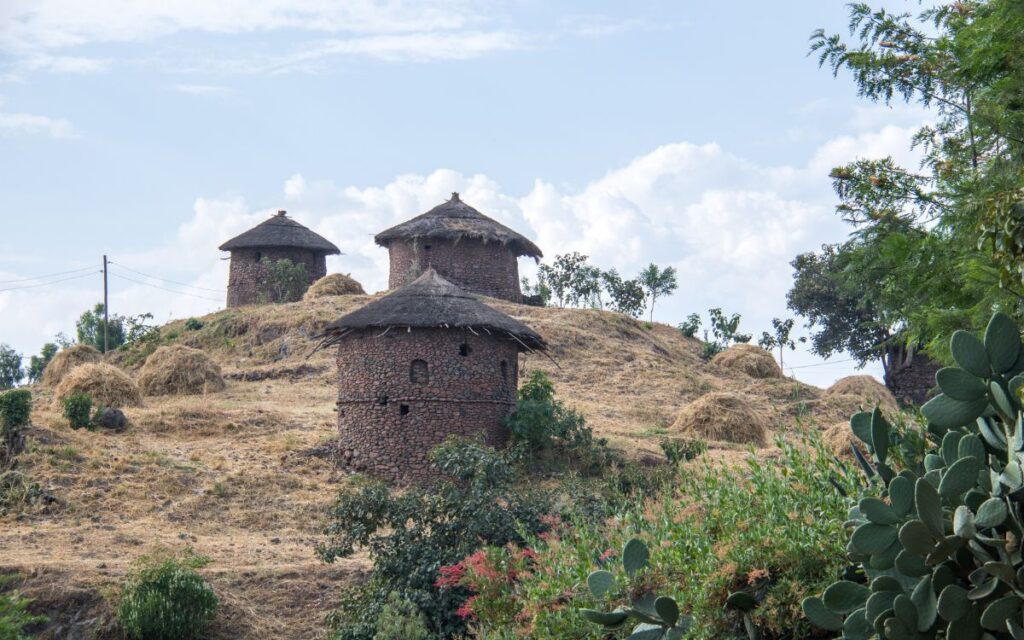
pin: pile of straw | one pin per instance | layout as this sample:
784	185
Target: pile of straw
179	370
723	417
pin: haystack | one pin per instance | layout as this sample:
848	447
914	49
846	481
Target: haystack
66	360
725	417
839	438
179	370
107	385
866	388
751	360
335	284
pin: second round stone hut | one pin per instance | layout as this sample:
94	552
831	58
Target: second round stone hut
475	252
422	363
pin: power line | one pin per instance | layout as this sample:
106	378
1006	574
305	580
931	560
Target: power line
823	364
147	284
148	275
46	284
49	275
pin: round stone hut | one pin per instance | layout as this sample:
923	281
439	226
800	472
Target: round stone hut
275	239
474	252
422	363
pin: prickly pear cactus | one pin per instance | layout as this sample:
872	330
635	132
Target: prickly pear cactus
658	617
938	552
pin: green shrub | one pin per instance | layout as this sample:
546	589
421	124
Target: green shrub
16	493
400	619
287	281
15	408
411	535
167	600
770	530
192	324
551	432
78	410
682	449
936	544
14	614
690	326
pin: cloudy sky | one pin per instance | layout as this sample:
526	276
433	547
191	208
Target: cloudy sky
691	134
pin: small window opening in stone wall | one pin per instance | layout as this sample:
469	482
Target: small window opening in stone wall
403	409
382	399
465	349
258	256
426	247
504	370
418	371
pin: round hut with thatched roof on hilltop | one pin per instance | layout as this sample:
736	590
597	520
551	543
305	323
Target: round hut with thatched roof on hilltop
279	238
422	363
474	252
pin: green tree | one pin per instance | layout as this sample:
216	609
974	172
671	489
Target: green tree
657	282
89	329
937	249
286	280
625	296
37	364
780	337
570	278
11	372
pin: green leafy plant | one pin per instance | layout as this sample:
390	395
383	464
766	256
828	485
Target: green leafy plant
626	296
287	281
657	282
78	410
779	338
682	449
15	408
690	326
547	429
937	550
167	600
193	324
410	535
401	619
14	613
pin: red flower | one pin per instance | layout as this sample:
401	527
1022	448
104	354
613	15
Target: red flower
450	576
466	610
529	553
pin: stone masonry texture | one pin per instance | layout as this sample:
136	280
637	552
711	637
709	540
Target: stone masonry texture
246	282
402	393
489	269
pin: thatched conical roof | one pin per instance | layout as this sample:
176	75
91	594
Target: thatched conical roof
453	220
430	301
280	231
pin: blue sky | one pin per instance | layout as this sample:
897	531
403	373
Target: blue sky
688	133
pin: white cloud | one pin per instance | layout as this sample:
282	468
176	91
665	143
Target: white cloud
64	64
730	227
202	89
19	124
51	24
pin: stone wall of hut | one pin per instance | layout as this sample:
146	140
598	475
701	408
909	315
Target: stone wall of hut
247	281
402	393
489	269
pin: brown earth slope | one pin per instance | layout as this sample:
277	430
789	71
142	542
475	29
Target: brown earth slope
233	474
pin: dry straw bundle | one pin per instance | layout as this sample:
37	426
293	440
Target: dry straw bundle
107	385
335	284
725	417
839	438
866	388
68	359
179	370
751	360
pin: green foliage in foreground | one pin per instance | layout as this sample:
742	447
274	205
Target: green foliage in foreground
14	614
770	530
167	600
938	548
15	408
411	535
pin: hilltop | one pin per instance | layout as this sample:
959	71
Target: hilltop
241	476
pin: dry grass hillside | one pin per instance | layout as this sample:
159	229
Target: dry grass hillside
235	475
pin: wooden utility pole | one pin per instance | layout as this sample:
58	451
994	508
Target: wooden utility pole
106	307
